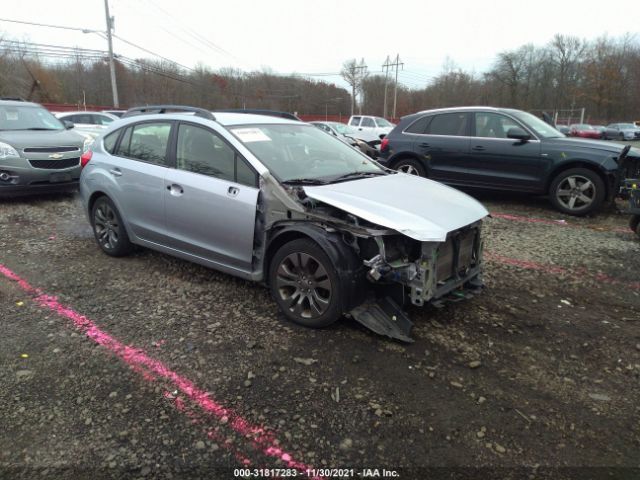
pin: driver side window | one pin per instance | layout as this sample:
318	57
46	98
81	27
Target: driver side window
493	125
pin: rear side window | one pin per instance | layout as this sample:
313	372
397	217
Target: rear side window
454	124
419	126
200	150
368	122
111	140
147	142
355	121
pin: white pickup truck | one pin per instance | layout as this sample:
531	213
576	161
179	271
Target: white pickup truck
370	129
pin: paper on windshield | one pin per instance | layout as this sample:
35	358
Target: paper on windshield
247	135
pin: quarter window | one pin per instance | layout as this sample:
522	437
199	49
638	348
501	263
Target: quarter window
419	126
454	124
110	141
201	151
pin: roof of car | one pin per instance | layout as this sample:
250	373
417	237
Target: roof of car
19	103
466	109
223	118
82	112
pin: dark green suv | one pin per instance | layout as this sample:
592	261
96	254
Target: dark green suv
507	149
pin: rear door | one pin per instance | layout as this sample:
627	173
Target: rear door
500	162
445	147
210	199
138	167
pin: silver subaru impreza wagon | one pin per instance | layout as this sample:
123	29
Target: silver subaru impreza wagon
278	201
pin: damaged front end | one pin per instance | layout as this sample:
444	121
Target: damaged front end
386	269
404	270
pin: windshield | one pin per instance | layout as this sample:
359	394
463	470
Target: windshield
343	129
383	123
583	126
27	118
627	125
295	152
539	127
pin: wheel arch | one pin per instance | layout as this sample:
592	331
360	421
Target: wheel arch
348	265
607	178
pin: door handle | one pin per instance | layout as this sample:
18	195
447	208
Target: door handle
233	191
116	172
424	145
478	148
175	190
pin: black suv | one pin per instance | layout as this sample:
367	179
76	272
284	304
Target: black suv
506	149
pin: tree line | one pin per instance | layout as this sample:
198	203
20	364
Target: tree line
602	76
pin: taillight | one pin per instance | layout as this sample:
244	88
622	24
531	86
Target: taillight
384	144
85	158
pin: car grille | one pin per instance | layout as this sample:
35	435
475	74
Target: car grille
50	149
458	254
55	164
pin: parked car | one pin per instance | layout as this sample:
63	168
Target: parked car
281	202
91	123
117	113
584	130
345	133
600	128
505	149
564	129
370	129
622	131
38	152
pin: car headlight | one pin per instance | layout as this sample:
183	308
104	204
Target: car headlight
88	141
7	150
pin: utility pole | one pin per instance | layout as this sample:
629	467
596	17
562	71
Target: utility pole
112	66
386	66
395	90
361	70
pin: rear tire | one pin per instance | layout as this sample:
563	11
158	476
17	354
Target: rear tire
305	285
577	191
108	228
410	166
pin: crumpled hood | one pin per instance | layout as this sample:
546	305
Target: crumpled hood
416	207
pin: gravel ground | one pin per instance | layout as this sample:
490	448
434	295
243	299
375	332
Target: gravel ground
537	377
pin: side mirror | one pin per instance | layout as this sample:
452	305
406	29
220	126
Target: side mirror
518	134
68	125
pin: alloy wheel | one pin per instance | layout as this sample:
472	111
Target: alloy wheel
106	226
576	192
303	285
410	169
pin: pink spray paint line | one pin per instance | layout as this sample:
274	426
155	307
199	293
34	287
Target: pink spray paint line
180	405
546	221
153	370
557	270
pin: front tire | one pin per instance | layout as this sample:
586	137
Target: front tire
410	166
305	285
108	228
577	191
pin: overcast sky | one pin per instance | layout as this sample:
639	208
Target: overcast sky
317	36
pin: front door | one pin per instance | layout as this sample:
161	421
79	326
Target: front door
211	199
501	162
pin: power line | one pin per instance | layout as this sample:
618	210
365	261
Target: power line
152	53
83	30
